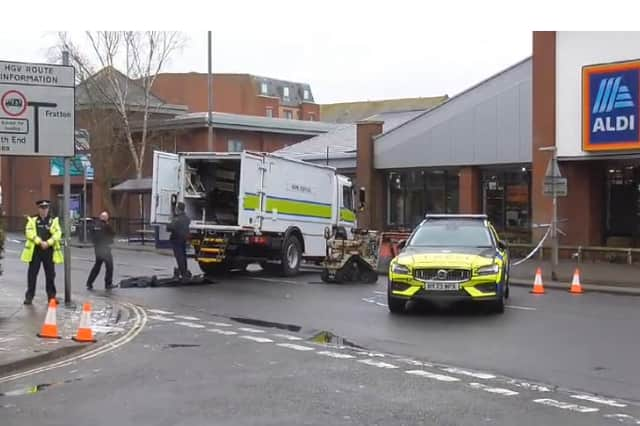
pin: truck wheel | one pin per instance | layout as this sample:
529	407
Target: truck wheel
291	256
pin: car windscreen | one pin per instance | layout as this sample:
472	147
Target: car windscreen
451	234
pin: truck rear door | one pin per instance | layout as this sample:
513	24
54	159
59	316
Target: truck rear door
165	184
251	192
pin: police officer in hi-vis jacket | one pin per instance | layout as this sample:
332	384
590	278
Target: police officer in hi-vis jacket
43	234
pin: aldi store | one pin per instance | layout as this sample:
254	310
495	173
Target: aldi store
480	151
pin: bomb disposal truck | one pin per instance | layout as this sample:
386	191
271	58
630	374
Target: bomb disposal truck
249	207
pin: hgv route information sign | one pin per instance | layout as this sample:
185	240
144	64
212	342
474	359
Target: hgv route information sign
37	109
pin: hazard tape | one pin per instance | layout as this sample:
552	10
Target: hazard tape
536	248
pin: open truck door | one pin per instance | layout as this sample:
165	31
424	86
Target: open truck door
165	186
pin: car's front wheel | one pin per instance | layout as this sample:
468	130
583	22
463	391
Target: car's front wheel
396	305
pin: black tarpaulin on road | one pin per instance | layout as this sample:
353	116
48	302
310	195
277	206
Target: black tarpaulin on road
154	281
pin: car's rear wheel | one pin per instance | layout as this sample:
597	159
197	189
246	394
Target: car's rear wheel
396	304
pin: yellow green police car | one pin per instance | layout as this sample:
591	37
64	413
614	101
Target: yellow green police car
450	258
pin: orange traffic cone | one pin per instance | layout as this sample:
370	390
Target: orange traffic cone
50	327
85	334
576	288
538	287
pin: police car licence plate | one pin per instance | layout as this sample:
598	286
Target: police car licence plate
442	286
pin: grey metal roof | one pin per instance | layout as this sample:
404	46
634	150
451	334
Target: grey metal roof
489	123
99	90
341	141
134	185
243	122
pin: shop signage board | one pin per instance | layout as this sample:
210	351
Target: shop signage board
610	107
37	109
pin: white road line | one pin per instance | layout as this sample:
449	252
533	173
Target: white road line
382	304
294	346
415	363
271	280
257	339
370	354
428	375
522	308
190	324
223	332
160	311
623	418
378	364
500	391
219	324
251	330
381	292
161	318
288	337
603	401
529	386
336	355
566	405
188	318
485	376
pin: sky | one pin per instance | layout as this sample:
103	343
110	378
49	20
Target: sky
346	50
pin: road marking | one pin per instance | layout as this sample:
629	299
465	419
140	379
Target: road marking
522	308
595	399
160	311
190	324
529	386
485	376
188	318
382	304
370	354
219	324
251	330
223	332
140	322
288	337
257	339
500	391
415	363
379	364
161	318
381	292
271	280
336	355
428	375
106	329
566	405
294	346
623	418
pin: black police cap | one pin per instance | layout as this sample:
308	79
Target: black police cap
43	203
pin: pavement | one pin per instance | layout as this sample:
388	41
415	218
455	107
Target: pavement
20	348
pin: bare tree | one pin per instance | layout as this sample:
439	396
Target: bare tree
144	55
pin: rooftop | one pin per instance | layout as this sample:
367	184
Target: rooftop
350	112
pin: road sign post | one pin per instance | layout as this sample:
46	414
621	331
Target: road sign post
554	186
37	118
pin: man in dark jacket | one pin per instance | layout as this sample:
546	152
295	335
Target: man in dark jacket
102	236
179	228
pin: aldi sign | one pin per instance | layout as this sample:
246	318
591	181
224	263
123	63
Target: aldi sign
610	109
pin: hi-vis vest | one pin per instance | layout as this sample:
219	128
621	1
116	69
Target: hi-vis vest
31	232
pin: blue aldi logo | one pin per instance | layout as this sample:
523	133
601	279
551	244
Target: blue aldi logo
610	107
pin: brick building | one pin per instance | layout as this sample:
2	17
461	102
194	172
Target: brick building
240	94
177	123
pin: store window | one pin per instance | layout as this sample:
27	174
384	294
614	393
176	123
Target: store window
507	202
623	201
413	193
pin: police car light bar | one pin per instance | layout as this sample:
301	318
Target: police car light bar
455	216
